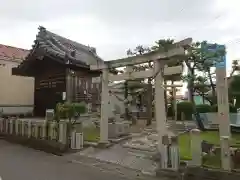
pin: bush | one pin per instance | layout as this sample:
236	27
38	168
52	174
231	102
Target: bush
186	108
69	110
232	109
203	108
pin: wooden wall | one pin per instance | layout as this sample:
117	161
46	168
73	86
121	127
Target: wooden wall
83	88
50	83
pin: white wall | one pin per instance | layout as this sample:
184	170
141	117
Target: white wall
16	92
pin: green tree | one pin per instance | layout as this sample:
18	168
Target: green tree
140	50
162	45
199	59
69	112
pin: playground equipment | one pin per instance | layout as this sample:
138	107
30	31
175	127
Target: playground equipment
160	69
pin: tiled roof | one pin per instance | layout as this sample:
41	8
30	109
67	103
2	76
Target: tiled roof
62	48
9	53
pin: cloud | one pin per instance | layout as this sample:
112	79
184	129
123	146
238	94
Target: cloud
114	26
114	12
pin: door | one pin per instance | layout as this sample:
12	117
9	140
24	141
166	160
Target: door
46	98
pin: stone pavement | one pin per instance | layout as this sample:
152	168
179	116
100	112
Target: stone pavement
124	157
137	153
21	163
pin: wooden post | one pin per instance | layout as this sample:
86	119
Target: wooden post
160	113
68	85
104	107
196	148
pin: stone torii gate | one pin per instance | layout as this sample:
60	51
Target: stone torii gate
159	59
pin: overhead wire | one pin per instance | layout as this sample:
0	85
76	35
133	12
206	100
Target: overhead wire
161	69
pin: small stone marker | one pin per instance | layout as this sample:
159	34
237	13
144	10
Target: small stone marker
225	155
196	147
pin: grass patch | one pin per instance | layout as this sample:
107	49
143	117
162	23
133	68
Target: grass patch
90	133
209	136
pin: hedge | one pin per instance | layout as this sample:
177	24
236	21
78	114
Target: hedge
186	108
232	109
203	108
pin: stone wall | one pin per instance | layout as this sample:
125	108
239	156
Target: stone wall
196	173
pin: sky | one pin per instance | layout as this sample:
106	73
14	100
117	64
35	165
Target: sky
113	26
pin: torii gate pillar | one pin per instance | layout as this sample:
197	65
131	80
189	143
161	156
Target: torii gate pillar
160	113
104	107
223	114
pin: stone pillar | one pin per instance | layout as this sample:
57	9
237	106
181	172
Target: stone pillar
29	129
164	152
44	129
223	112
225	153
104	107
36	130
23	127
73	140
111	107
1	125
16	127
174	153
52	130
222	99
196	147
6	126
79	140
175	103
160	112
11	126
63	132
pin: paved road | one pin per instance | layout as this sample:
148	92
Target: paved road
20	163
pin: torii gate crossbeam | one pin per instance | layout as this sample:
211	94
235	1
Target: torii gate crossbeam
157	57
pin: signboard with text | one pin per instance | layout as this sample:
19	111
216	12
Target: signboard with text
218	54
